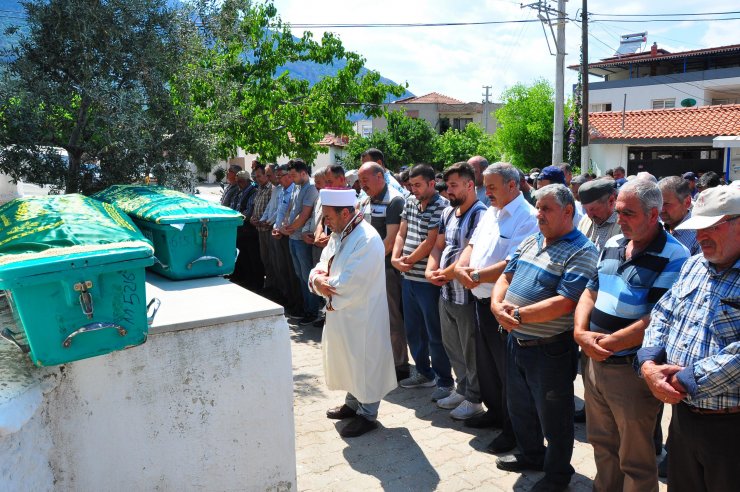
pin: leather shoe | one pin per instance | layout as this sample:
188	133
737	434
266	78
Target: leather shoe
340	413
482	421
579	417
501	444
517	463
357	427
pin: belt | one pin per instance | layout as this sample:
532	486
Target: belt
619	359
706	411
544	341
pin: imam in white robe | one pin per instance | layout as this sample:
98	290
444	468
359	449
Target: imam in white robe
356	340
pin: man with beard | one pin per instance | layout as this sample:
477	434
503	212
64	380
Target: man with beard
456	309
355	342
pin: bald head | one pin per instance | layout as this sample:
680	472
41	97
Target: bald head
479	164
372	178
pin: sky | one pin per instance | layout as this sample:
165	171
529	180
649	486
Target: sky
459	60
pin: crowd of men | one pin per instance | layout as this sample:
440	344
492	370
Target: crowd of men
500	285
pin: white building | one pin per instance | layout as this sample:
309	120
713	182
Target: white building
650	111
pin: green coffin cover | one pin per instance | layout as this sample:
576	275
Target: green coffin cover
38	232
164	206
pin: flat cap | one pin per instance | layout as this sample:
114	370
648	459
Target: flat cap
579	180
595	189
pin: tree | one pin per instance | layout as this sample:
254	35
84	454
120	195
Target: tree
244	96
455	146
94	79
525	133
406	142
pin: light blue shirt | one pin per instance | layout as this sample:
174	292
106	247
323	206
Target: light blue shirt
282	208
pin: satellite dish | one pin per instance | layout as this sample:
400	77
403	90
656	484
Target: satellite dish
688	102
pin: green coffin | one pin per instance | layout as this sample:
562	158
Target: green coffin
72	275
192	237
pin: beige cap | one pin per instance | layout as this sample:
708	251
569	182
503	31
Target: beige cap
711	206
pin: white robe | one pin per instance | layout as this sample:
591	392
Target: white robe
356	340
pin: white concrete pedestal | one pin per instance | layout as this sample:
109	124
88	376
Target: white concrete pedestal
205	404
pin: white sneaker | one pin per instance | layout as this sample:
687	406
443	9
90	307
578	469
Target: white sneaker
451	401
467	409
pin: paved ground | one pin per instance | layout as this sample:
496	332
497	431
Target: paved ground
418	446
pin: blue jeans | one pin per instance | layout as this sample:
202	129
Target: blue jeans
302	256
540	398
423	330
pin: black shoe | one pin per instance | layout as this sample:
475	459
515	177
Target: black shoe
482	421
319	323
402	372
294	314
580	416
357	427
545	485
663	467
501	444
516	463
308	320
340	413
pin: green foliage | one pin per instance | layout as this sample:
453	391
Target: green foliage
93	78
406	142
525	133
240	93
455	146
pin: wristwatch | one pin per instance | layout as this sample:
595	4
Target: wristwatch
475	276
517	316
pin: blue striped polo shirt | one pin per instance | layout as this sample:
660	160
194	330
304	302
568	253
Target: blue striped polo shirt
562	268
628	289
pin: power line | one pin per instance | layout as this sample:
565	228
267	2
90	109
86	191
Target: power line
643	21
665	15
416	24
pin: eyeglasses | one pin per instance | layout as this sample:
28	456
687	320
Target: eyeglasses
716	226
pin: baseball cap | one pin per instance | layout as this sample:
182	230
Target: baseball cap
553	174
689	175
711	205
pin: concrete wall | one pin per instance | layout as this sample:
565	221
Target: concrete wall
204	404
8	189
607	156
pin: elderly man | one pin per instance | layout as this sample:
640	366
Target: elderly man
416	237
502	228
334	178
534	301
248	270
355	341
376	156
232	189
598	198
383	209
480	164
689	356
634	271
261	200
456	309
677	209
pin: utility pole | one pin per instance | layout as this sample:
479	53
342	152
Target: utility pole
486	101
550	17
585	157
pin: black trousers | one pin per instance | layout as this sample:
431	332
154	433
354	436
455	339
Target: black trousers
248	270
704	451
490	361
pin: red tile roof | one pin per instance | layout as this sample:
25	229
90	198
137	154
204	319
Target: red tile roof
431	98
331	139
702	121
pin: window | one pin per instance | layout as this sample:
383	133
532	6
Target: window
664	103
716	102
601	107
461	123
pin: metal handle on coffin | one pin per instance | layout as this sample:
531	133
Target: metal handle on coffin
206	258
93	327
164	267
157	304
10	336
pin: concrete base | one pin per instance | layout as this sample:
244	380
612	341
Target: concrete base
205	404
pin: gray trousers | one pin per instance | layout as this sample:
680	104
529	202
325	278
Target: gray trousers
398	332
458	338
367	410
268	253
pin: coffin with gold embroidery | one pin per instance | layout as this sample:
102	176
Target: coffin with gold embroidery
192	237
72	278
